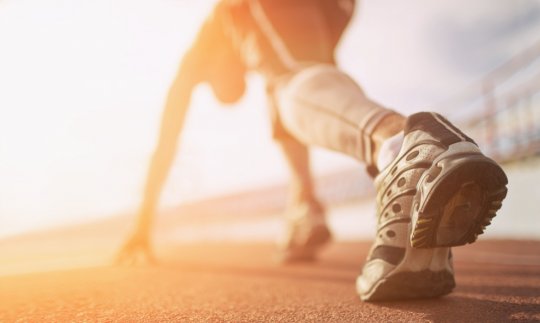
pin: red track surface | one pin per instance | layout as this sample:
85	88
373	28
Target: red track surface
497	281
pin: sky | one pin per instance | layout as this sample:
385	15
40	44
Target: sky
82	85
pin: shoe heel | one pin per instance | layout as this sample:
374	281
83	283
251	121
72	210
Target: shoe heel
461	195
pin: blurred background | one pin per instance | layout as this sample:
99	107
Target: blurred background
82	86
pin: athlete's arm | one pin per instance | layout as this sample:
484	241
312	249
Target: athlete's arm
172	121
212	60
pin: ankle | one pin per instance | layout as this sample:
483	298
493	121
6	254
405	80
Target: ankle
389	128
389	151
305	208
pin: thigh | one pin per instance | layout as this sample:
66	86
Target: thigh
324	88
320	105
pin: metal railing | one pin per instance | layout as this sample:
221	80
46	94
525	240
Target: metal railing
502	110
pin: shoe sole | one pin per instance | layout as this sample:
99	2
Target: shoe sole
457	198
318	238
412	285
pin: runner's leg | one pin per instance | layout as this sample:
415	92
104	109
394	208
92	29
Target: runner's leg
322	106
438	191
306	229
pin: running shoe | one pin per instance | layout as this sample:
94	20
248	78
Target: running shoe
440	191
306	233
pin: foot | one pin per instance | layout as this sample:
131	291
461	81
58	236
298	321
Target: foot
306	233
440	191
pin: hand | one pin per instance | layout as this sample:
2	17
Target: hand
135	250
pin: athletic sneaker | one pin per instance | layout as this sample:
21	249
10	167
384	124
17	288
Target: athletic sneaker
440	191
306	233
